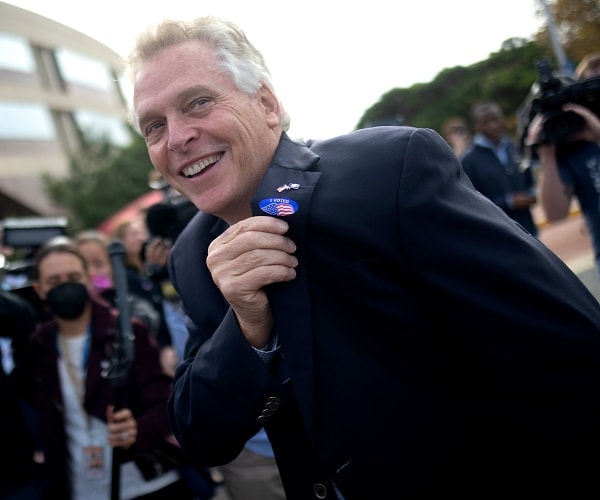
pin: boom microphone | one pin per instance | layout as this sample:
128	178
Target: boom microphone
123	352
116	252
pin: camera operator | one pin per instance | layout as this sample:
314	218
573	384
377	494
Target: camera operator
164	221
571	168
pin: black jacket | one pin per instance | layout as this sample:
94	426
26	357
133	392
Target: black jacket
429	346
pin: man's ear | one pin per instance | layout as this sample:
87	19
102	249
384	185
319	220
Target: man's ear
271	104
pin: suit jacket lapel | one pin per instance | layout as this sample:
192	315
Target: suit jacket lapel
290	301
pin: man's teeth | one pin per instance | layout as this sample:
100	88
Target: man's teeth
200	166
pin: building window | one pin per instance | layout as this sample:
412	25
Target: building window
25	122
15	54
98	126
81	70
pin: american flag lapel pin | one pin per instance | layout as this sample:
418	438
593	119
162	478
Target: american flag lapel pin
287	187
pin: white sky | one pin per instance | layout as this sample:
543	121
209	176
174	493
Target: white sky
330	59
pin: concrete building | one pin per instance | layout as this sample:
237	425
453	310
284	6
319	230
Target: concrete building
55	84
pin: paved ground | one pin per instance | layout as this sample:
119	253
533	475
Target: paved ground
570	241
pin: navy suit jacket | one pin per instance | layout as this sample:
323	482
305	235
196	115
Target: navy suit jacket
428	345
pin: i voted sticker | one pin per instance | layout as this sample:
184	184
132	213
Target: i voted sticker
280	207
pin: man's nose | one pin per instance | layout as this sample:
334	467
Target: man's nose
181	133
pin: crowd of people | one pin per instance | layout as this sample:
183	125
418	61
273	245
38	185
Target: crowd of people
292	342
65	352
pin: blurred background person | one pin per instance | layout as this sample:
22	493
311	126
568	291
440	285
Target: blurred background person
494	168
142	281
66	373
456	132
22	474
93	246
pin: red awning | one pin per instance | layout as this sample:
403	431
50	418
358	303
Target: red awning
130	210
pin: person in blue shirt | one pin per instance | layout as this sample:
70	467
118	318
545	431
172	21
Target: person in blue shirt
493	166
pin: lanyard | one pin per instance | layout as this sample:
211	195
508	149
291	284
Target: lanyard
76	378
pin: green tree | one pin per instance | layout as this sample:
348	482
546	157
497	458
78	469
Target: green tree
505	77
578	26
102	179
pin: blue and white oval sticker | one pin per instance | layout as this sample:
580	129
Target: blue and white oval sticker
280	207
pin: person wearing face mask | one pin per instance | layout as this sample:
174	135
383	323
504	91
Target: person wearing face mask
93	246
64	374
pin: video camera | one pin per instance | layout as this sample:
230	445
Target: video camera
166	219
547	96
27	234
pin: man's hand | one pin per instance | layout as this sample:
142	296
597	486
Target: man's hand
244	259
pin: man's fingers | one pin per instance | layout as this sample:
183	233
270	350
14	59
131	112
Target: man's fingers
261	224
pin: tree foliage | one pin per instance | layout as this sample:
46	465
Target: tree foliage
505	77
577	25
102	179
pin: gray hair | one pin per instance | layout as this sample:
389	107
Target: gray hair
235	54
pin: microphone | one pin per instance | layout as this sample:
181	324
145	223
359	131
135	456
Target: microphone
123	355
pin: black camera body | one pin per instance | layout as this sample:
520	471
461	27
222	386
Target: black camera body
166	219
27	234
551	92
32	232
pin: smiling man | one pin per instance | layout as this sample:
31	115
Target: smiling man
393	331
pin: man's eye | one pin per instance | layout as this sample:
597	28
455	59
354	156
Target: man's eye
200	101
153	127
152	130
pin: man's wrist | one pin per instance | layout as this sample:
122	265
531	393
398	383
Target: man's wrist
271	345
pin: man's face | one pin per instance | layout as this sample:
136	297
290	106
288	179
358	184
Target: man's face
57	268
490	123
209	140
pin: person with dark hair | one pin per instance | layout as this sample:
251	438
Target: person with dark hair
493	166
395	332
66	374
143	281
